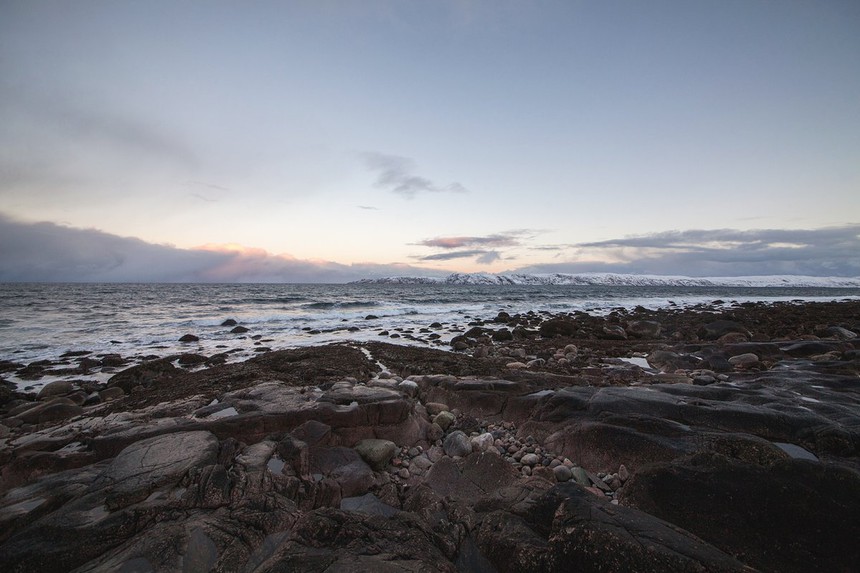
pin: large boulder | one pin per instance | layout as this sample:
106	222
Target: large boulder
569	529
789	516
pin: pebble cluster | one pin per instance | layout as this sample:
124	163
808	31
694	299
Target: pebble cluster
526	454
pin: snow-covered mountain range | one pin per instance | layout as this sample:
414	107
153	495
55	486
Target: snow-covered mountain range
612	279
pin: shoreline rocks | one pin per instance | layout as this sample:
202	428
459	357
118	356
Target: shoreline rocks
647	451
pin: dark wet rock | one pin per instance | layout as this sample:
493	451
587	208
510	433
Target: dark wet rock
239	330
612	332
56	388
798	501
719	328
807	348
146	374
569	529
558	327
229	322
502	335
192	359
371	317
669	361
278	486
644	329
112	360
189	338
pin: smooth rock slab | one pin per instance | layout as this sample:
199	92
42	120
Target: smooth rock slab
154	462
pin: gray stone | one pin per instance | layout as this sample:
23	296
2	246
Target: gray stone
581	476
434	408
377	453
444	420
742	361
530	459
56	388
112	393
482	442
457	444
562	473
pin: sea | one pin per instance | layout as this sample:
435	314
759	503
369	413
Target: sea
138	321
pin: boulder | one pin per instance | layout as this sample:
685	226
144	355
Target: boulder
719	328
775	518
558	327
56	388
644	329
189	338
457	444
377	453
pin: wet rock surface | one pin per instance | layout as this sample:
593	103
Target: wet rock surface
707	440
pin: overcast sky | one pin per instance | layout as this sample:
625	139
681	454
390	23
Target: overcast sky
325	141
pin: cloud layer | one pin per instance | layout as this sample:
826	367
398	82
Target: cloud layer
46	252
833	251
55	253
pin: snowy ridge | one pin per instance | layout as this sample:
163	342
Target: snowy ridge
613	279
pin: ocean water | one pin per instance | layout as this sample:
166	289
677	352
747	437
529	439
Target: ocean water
43	321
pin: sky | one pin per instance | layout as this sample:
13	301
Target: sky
326	141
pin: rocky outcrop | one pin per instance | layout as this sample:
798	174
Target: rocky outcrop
647	454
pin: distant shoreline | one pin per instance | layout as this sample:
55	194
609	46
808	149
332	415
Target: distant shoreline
618	279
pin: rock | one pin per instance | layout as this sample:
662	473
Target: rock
229	322
371	317
112	360
56	388
530	460
669	361
502	335
239	330
112	393
145	374
744	361
434	408
482	442
558	327
839	333
377	453
189	338
503	318
516	365
719	328
613	332
644	329
562	473
444	420
581	476
191	359
568	529
798	500
457	444
154	462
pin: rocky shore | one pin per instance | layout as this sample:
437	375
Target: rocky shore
718	438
